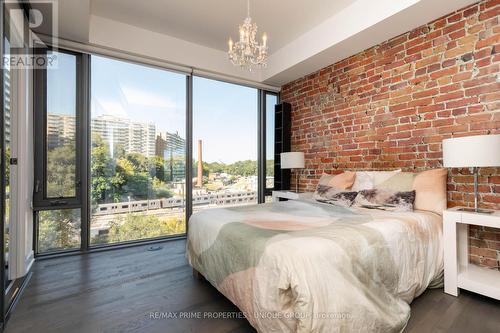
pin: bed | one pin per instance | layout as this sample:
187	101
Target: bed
307	266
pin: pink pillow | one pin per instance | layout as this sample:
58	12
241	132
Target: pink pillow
429	186
341	181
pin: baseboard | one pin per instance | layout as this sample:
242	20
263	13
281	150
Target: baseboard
21	286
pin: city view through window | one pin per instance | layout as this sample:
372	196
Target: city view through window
138	152
225	144
60	229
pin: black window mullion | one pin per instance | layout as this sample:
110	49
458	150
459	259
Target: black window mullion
267	191
40	98
80	101
261	147
85	151
189	149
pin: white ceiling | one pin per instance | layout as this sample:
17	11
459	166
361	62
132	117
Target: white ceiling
304	35
211	22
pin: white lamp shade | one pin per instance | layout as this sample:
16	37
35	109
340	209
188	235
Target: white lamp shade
293	160
472	151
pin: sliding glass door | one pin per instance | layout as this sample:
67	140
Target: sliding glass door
225	140
138	152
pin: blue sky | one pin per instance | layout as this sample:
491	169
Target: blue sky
224	115
225	119
61	86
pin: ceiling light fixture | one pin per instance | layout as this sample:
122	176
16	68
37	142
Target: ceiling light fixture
247	52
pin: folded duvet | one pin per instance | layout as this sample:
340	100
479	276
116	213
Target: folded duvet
304	266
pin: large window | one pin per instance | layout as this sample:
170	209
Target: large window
112	139
225	144
137	152
57	136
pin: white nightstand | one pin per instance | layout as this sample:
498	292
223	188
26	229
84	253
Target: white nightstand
285	195
458	272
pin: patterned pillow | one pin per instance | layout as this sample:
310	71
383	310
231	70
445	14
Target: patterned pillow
386	200
429	186
334	196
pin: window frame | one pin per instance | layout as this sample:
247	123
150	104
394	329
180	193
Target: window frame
260	138
263	112
40	199
87	206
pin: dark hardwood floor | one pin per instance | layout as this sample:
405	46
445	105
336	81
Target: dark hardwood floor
123	290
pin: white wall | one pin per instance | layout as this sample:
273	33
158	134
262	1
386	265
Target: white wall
21	255
21	184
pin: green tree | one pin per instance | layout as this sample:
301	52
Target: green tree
61	162
103	177
243	168
157	168
239	168
136	179
139	161
161	189
269	167
58	229
140	226
119	151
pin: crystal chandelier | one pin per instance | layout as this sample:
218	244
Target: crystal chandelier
247	52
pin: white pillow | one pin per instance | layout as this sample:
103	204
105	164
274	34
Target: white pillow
368	180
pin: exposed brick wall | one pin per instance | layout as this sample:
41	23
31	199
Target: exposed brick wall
392	105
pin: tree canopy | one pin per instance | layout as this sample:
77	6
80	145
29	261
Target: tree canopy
141	226
116	178
239	168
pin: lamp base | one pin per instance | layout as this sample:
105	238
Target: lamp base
473	210
476	209
297	176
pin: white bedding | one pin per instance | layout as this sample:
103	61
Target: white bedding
303	266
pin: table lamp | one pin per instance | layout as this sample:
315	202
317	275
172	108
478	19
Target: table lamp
472	151
294	161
